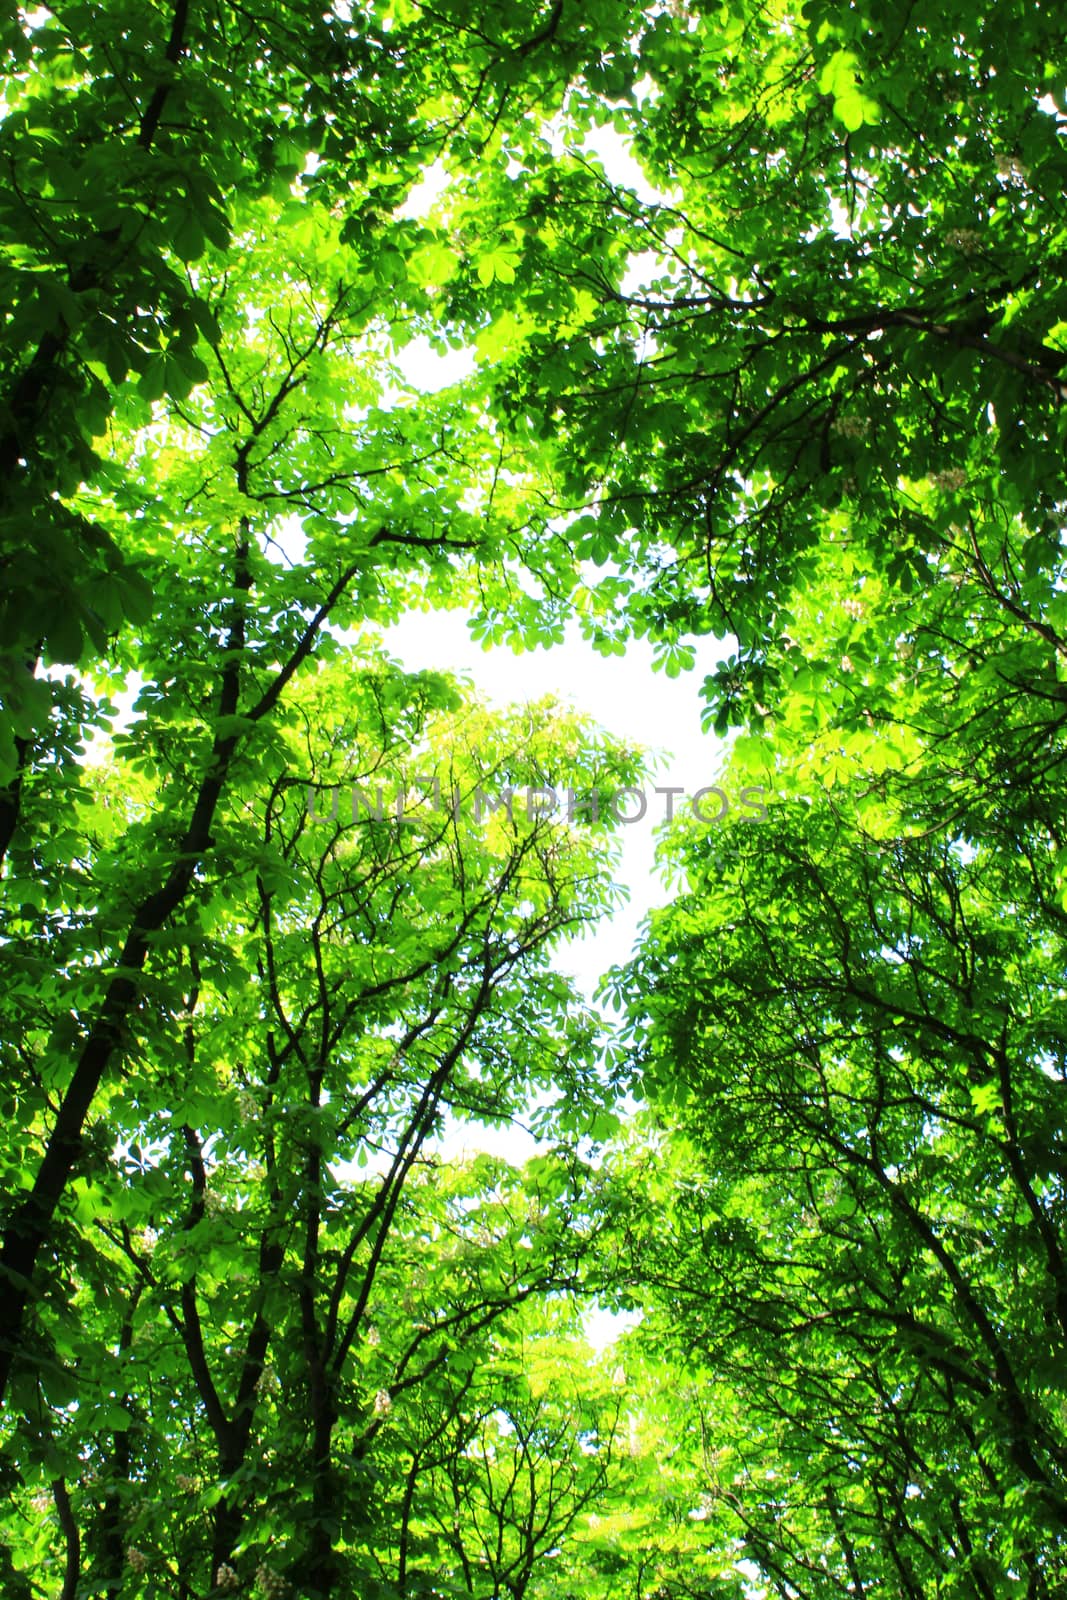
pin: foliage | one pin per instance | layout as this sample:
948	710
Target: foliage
235	1017
799	390
865	1241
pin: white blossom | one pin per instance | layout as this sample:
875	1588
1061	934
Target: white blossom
1011	169
851	427
950	481
272	1583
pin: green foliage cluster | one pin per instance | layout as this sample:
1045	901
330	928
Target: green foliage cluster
800	391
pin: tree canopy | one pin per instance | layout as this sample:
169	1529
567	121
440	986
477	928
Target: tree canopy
788	401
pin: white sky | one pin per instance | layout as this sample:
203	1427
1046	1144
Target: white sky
626	697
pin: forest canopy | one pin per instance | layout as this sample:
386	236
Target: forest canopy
790	406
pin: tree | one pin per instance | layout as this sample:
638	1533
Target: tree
500	1461
130	141
866	1242
352	977
824	358
252	496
